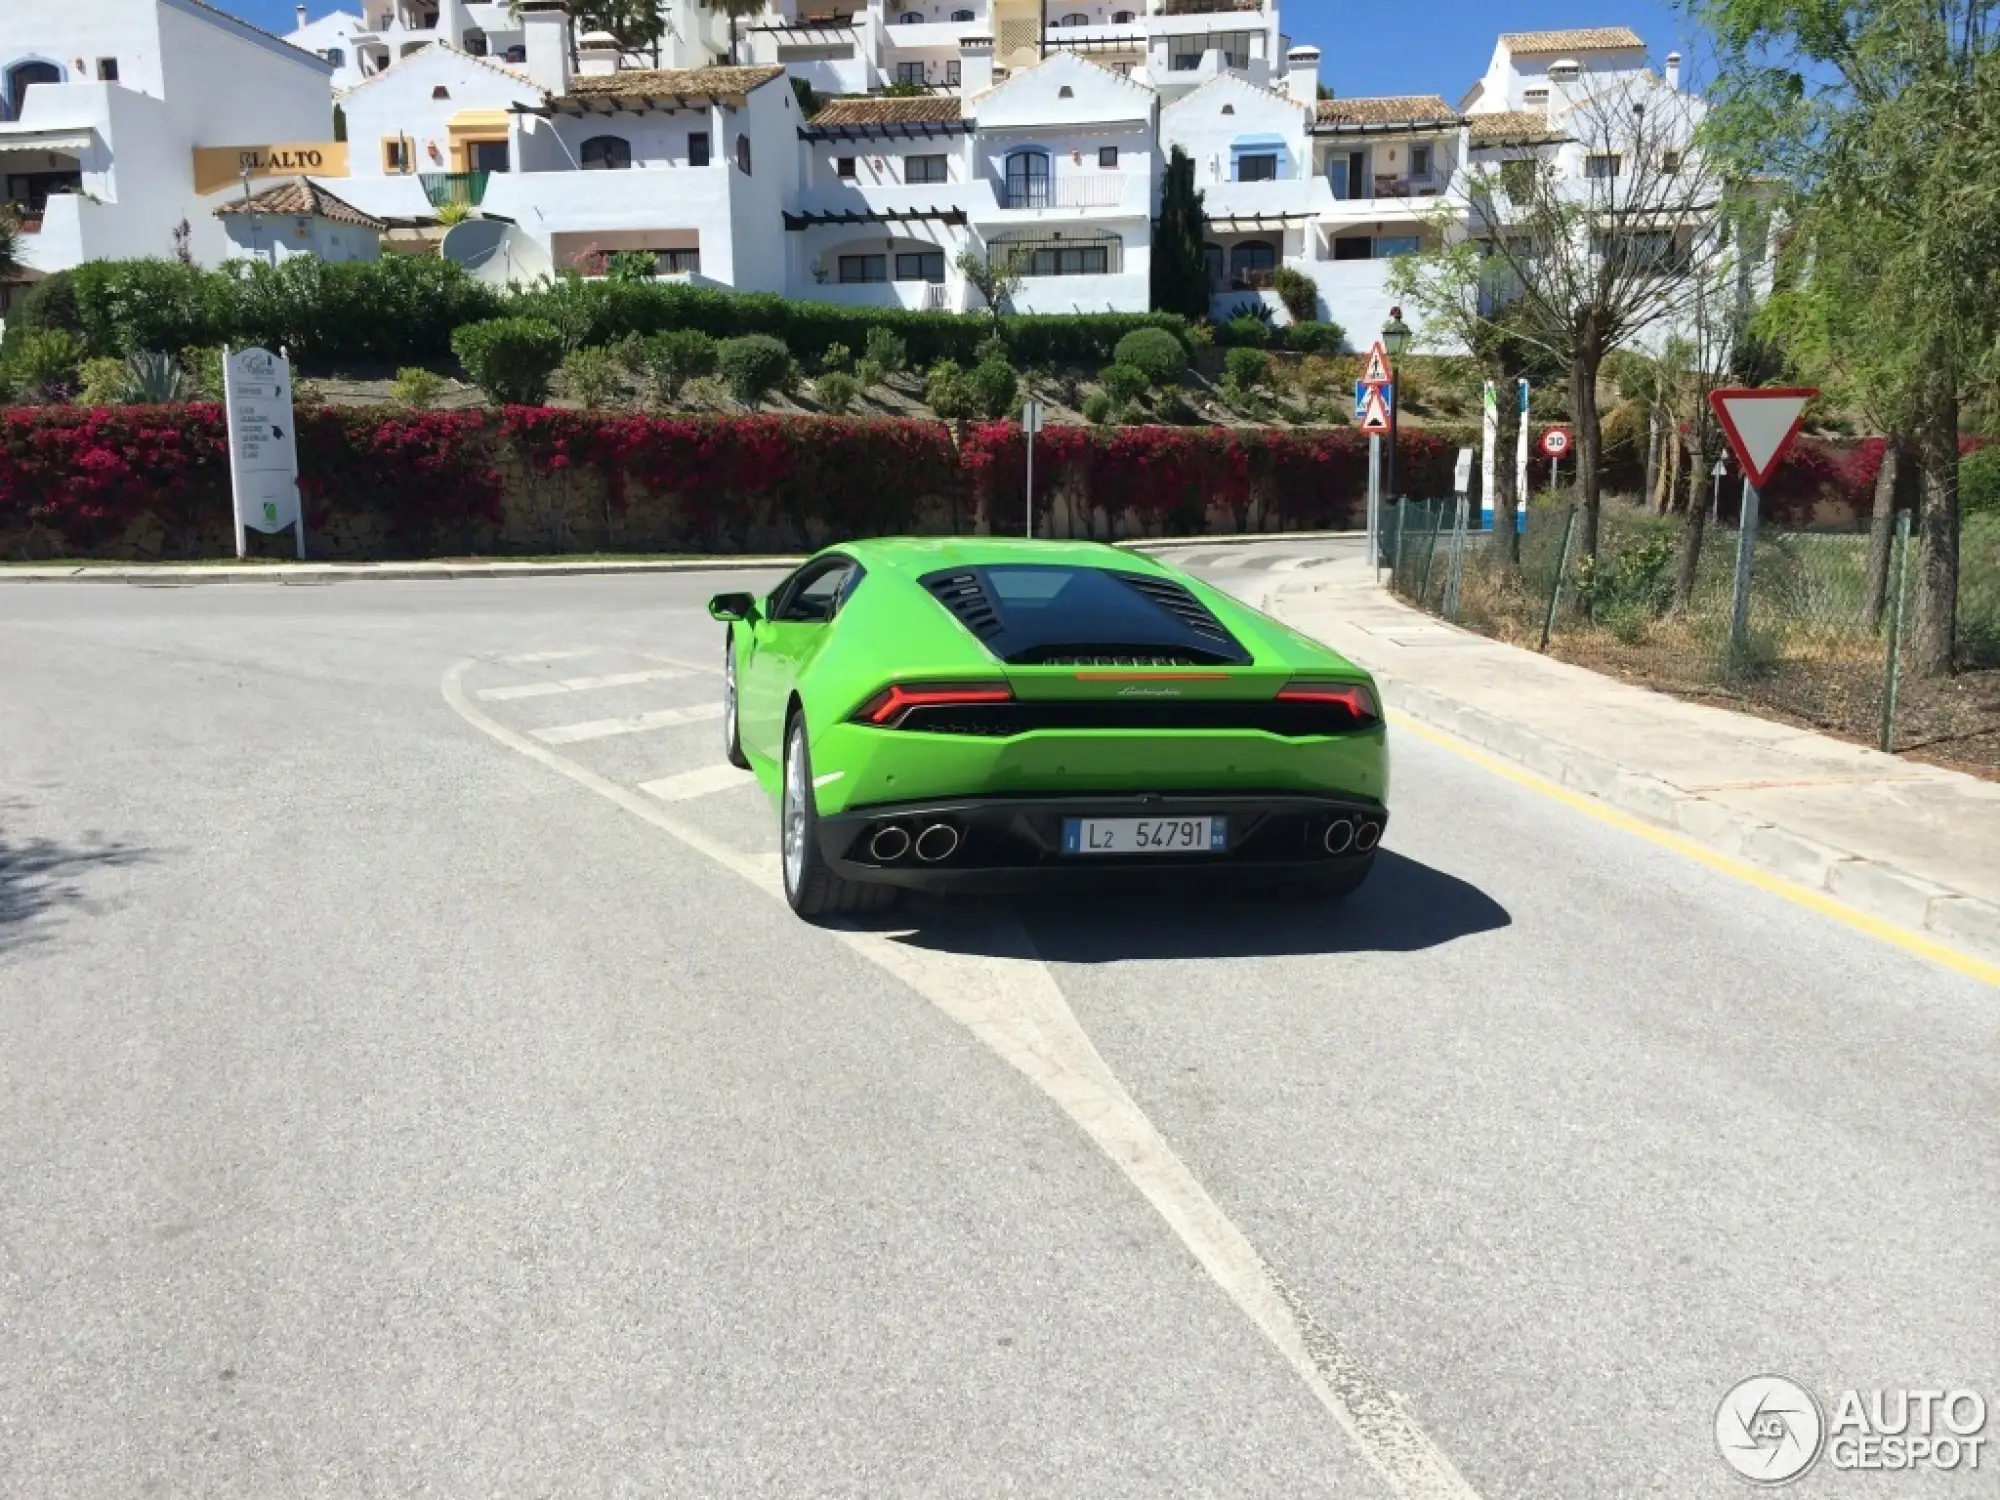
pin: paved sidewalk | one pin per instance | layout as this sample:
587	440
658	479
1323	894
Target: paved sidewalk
1911	843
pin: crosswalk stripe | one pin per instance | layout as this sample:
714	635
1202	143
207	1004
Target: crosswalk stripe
691	784
599	729
579	684
1291	564
1231	560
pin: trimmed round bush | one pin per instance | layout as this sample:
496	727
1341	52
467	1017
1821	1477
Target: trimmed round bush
836	390
510	359
1122	383
1315	338
1154	353
994	387
1097	408
1245	331
1247	367
753	367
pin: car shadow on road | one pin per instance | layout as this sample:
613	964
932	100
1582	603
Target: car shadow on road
1406	906
41	876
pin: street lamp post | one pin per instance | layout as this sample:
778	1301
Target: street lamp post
1395	339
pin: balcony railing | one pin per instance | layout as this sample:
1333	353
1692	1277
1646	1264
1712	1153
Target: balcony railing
454	187
28	221
1204	7
1091	190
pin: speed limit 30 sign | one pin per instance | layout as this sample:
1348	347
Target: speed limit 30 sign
1555	443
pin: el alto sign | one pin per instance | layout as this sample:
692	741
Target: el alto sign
219	167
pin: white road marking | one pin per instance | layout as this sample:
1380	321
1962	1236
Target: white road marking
689	785
1013	1004
578	684
1230	560
601	729
533	656
1291	564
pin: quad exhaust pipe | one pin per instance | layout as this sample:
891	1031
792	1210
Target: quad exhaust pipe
890	843
1366	835
939	841
1339	836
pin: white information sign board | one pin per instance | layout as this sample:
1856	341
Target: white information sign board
263	444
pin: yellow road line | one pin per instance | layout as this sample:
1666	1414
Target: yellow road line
1799	895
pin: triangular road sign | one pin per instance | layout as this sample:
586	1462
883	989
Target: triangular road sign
1375	411
1376	370
1760	426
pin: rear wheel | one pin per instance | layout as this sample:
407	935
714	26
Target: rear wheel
732	737
811	886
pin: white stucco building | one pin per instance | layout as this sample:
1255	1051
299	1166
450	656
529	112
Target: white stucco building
296	218
107	105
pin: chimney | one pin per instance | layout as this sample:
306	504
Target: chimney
301	14
1302	75
545	26
975	65
1673	70
597	53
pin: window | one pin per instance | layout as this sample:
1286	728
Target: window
909	72
395	155
486	156
843	168
951	75
961	15
517	55
1517	177
1027	180
924	169
743	154
1420	163
1065	92
1535	98
605	153
815	593
24	76
1067	260
1229	109
1645	252
1601	166
107	67
698	148
855	268
1387	245
1257	167
440	92
1253	261
920	265
909	18
1122	18
1670	162
672	261
1187	62
1353	247
1074	18
1107	156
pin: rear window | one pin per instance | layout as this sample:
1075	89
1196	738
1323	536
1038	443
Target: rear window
1029	613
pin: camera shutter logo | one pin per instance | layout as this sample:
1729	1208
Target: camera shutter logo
1769	1429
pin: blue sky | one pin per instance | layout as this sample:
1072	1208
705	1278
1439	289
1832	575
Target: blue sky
1435	47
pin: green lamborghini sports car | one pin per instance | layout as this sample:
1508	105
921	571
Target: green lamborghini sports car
975	714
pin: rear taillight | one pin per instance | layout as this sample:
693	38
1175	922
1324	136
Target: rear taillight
886	709
1352	696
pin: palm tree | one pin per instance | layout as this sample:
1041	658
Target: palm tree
735	10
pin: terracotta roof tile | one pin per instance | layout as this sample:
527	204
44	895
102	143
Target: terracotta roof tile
1514	126
665	83
1391	109
915	109
1585	39
301	198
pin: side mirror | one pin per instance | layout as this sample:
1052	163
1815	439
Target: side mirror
733	607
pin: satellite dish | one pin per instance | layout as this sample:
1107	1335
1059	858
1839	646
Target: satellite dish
496	253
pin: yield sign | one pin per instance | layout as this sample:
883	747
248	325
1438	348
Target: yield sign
1374	411
1760	425
1376	370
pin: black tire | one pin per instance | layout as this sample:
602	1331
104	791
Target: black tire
732	734
811	887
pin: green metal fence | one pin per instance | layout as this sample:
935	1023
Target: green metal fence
1817	630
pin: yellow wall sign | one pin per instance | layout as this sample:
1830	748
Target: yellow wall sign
218	167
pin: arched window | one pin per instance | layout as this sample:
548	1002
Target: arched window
743	154
1251	257
909	18
605	153
335	56
961	15
1229	109
1122	18
1074	18
1065	92
1027	179
24	76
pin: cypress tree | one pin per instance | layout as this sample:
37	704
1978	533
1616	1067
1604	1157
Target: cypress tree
1180	268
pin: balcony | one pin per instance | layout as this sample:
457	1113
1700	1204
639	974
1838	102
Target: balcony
1087	190
441	188
1205	7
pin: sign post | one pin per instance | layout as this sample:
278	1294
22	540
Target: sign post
1489	439
1555	443
1461	484
1521	451
263	446
1031	423
1375	402
1715	498
1760	426
1375	503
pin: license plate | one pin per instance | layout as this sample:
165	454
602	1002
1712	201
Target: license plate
1145	835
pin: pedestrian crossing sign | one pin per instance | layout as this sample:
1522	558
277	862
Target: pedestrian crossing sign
1376	370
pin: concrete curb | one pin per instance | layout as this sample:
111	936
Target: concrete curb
1869	885
411	572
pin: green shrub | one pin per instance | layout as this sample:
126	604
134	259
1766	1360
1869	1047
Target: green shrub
152	379
1979	481
753	367
1248	368
1309	337
949	393
1639	578
836	391
1296	290
1154	353
590	378
1250	329
1097	408
48	303
1123	383
510	359
837	357
632	266
993	346
452	212
994	387
670	360
886	351
418	388
204	371
868	374
44	365
100	381
125	305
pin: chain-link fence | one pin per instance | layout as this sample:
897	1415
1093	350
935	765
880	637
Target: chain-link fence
1814	627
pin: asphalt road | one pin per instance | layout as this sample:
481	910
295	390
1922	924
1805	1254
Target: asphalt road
396	1100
